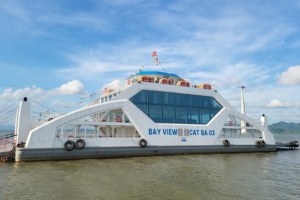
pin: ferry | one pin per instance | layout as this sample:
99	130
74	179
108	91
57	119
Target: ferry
153	113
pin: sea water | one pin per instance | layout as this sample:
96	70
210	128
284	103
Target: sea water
203	176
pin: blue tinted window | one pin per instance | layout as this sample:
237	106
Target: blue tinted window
193	116
141	97
180	99
155	113
143	107
166	107
154	97
192	100
204	116
168	114
213	112
168	98
214	103
204	102
181	115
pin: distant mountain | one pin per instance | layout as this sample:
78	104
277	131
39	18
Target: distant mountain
7	127
284	127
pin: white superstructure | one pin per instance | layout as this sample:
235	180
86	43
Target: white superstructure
155	113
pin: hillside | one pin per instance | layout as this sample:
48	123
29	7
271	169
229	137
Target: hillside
284	127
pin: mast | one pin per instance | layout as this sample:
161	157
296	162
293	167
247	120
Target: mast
242	100
242	109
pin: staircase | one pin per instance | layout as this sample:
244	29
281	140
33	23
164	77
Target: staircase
103	115
7	157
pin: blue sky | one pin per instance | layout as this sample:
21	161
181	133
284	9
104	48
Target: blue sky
59	51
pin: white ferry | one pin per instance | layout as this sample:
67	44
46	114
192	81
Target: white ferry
155	113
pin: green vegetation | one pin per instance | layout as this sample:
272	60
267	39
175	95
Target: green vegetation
284	127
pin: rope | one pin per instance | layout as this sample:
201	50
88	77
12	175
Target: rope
9	106
44	106
3	116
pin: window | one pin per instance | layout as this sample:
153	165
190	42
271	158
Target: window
193	116
181	115
204	102
141	97
166	107
213	112
180	99
204	116
143	108
168	98
155	113
192	100
214	103
168	114
154	97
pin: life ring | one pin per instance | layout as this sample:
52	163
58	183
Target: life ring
226	143
118	119
69	145
258	144
143	143
80	143
263	143
230	123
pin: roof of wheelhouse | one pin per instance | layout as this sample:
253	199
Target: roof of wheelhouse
141	73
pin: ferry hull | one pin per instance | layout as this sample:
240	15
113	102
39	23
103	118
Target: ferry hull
25	154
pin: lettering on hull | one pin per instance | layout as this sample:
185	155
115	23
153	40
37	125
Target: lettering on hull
174	132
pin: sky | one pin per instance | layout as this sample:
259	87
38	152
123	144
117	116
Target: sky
56	52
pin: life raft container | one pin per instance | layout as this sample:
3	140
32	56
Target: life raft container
183	84
146	79
165	81
205	86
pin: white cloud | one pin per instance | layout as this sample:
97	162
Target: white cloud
290	77
217	84
234	80
278	104
74	87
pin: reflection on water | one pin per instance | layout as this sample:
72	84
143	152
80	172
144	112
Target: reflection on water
215	176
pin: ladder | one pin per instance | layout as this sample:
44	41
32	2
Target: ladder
7	156
104	114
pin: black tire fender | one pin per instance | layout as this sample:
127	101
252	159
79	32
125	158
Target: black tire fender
143	143
263	143
226	143
80	143
69	145
258	143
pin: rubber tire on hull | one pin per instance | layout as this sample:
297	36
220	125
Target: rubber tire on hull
226	143
263	143
143	143
77	144
258	143
69	142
